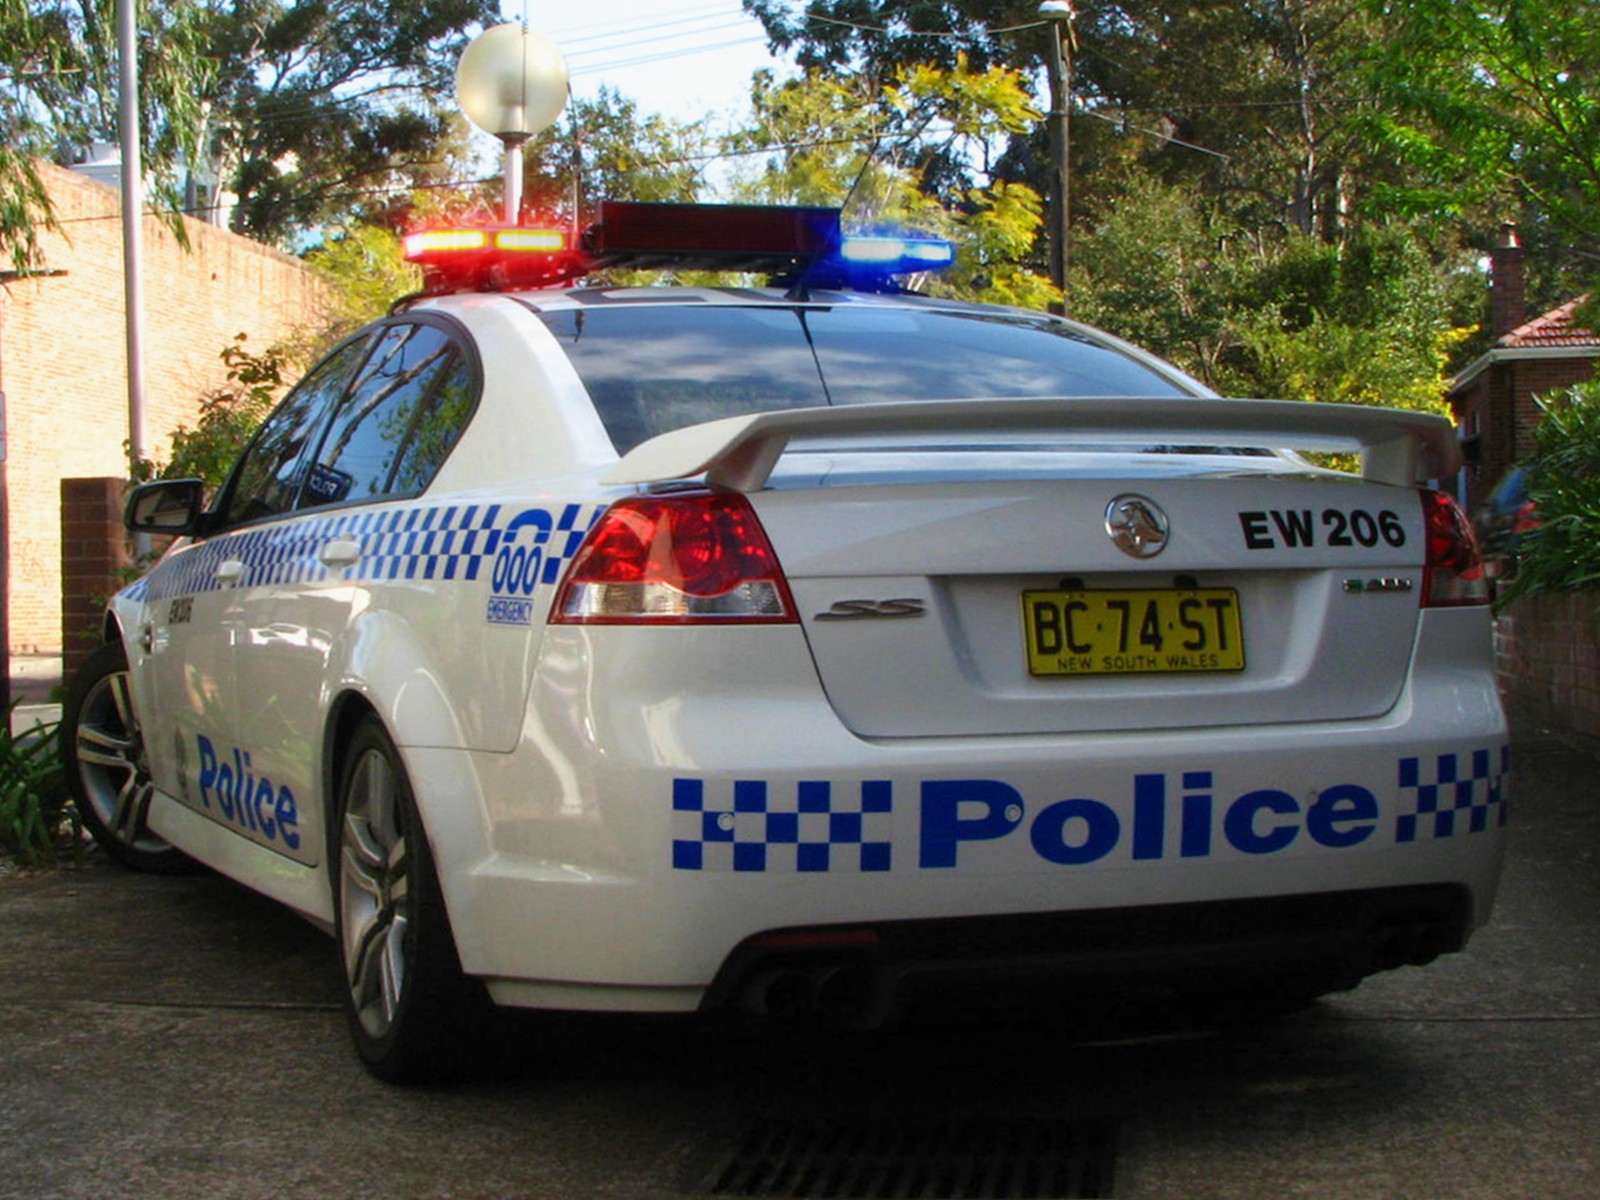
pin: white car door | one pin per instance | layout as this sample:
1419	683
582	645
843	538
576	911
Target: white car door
357	532
204	725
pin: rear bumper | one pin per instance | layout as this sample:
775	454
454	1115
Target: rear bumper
1279	949
630	851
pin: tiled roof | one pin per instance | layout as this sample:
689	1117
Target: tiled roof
1554	328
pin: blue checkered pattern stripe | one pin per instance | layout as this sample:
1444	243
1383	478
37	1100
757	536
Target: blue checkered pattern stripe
1453	793
758	827
568	524
446	542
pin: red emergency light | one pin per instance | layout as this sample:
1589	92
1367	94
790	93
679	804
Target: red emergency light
493	258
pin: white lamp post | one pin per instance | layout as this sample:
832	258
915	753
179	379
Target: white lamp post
512	82
1059	67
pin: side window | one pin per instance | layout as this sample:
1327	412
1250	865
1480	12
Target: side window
268	476
437	427
378	427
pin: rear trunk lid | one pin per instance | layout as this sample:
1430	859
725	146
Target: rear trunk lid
1093	566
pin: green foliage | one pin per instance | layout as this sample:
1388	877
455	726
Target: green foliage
59	90
302	111
316	107
366	275
1329	360
24	209
35	818
606	149
1166	269
228	417
845	140
1362	321
1564	482
1493	101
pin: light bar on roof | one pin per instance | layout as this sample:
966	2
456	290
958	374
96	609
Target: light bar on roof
796	246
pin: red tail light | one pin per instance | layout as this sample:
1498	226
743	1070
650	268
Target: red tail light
688	557
1453	574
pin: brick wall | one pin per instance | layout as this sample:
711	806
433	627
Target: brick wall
1547	655
62	363
94	555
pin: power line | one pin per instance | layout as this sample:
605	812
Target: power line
645	29
667	55
1123	124
924	33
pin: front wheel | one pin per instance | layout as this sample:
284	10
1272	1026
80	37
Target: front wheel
108	774
412	1012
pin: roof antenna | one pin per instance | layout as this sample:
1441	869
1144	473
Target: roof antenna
800	291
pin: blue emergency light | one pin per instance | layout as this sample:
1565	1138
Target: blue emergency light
798	246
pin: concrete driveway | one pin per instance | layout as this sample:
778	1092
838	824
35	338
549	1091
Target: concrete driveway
182	1038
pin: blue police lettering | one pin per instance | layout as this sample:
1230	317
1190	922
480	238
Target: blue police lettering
1083	829
250	802
1098	823
965	810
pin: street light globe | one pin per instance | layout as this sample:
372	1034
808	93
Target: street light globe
1056	10
511	82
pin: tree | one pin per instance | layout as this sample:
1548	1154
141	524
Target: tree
365	274
1367	321
877	151
1258	103
1564	486
321	108
304	112
1165	268
1494	108
228	416
605	149
59	88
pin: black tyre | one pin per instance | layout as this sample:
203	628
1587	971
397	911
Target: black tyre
108	774
414	1015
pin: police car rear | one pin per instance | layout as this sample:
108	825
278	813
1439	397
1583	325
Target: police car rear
908	641
977	658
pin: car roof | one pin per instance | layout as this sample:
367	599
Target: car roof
596	296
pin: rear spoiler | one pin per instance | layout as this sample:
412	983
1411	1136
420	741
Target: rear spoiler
740	452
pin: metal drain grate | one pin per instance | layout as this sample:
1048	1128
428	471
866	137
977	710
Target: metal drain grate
1006	1159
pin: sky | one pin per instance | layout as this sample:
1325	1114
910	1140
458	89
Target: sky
681	58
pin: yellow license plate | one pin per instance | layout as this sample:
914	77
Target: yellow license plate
1134	632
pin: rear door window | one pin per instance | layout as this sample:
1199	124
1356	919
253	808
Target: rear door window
268	476
399	419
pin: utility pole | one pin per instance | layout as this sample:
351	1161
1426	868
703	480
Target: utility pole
132	217
1059	14
5	551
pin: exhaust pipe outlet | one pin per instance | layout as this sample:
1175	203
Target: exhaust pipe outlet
782	992
853	997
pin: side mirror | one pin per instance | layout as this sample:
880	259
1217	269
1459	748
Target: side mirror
168	506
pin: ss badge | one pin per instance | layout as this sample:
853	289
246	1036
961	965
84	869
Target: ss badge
855	610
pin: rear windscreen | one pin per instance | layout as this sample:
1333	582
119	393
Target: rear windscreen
653	368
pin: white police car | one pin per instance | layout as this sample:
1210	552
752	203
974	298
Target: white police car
661	649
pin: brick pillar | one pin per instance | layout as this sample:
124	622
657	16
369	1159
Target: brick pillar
94	558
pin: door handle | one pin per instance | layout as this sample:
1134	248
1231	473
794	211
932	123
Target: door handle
341	552
230	570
